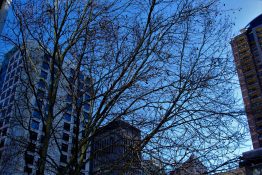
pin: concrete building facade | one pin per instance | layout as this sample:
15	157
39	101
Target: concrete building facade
22	110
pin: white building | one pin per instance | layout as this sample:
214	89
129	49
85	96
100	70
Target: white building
23	109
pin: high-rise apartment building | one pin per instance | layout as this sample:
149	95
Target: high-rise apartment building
247	50
23	106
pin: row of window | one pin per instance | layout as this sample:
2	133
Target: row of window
8	93
6	113
3	131
35	124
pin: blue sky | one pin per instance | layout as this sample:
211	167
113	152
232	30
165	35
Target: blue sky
249	10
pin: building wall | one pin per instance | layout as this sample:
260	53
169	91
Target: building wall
248	59
113	152
238	171
22	119
193	166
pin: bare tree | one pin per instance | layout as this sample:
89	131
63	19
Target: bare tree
162	66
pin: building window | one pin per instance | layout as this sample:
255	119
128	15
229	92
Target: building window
9	109
80	85
64	147
10	83
63	158
35	125
12	98
9	69
43	74
2	96
45	66
69	107
17	55
79	101
40	94
69	98
2	143
8	92
75	130
31	147
12	74
87	107
33	135
36	114
4	131
7	77
67	117
39	104
42	84
6	102
65	137
29	159
66	126
1	123
16	78
28	170
15	64
87	97
86	115
83	167
42	139
7	118
254	96
251	83
61	169
3	113
5	87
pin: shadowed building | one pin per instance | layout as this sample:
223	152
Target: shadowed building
113	150
152	167
248	58
238	171
193	166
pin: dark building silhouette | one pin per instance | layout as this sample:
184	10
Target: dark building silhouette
248	58
151	167
193	166
114	150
